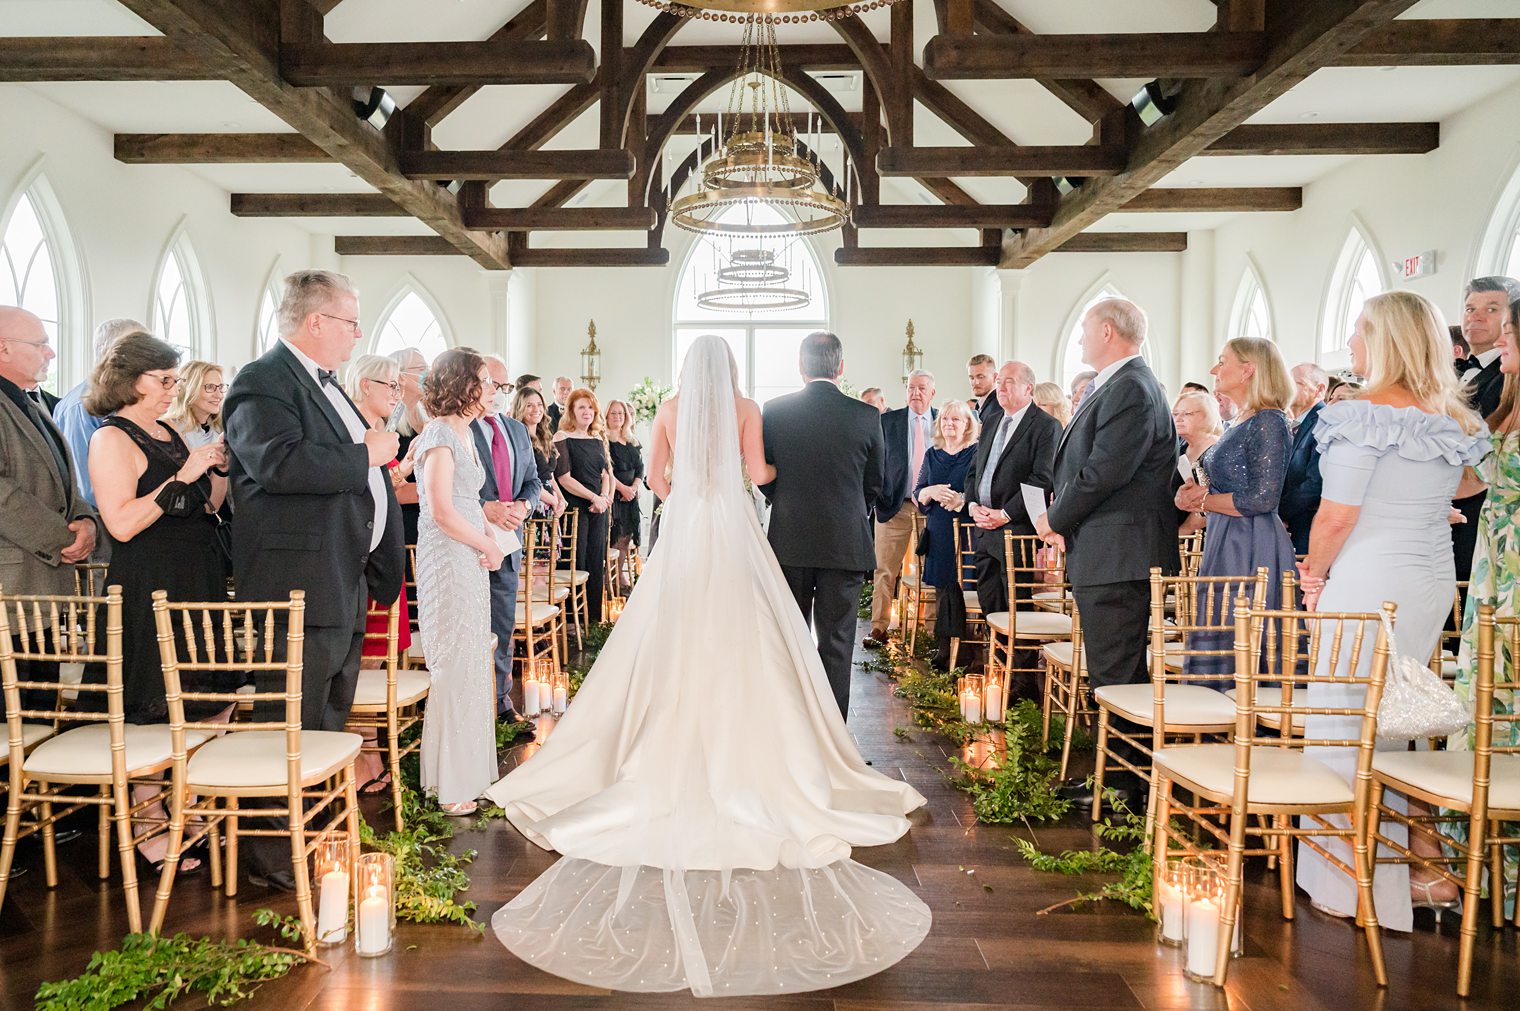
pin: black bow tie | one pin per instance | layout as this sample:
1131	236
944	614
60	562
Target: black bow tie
327	376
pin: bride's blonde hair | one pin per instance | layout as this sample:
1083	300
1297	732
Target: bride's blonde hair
1408	345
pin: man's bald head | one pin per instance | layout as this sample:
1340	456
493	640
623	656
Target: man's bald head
24	348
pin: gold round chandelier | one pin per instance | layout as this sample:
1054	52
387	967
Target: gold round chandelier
782	12
757	182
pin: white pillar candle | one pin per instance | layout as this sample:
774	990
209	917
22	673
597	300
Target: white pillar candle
561	700
994	701
1171	912
1202	936
332	907
374	921
530	696
973	707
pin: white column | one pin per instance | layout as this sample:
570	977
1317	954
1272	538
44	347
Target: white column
1010	298
1198	336
498	292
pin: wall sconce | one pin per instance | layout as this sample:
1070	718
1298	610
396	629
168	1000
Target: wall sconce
591	358
912	356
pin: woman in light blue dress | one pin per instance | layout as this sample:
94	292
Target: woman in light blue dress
1392	461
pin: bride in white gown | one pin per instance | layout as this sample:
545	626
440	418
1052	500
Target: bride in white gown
702	788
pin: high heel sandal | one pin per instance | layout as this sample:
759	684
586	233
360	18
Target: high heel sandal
463	809
1421	897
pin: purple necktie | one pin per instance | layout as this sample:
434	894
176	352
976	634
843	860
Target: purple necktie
501	461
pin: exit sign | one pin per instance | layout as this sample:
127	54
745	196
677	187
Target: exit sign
1419	265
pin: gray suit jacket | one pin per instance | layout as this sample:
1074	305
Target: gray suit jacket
525	483
36	507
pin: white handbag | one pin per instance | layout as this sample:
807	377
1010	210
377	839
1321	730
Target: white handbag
1416	702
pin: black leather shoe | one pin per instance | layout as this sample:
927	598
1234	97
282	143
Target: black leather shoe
529	729
275	881
875	640
1081	798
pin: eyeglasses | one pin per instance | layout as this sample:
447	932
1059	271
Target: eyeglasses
36	344
167	382
213	388
393	387
341	319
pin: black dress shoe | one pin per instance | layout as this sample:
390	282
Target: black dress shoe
1081	798
875	640
275	881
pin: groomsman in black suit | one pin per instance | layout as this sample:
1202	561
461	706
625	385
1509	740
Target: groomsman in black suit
1485	307
907	433
1302	484
827	450
1018	448
1113	506
315	510
982	373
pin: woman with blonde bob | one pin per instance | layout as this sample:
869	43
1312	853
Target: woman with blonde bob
1392	460
196	413
1050	398
1241	483
938	492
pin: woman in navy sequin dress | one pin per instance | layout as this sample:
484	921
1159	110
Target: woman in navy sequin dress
1244	471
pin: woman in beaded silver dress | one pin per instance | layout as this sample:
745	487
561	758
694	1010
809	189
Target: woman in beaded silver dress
454	551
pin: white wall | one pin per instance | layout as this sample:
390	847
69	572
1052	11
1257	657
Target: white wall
121	218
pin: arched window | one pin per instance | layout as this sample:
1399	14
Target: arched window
411	322
1070	355
764	343
1500	251
180	311
269	304
1250	316
1355	280
28	270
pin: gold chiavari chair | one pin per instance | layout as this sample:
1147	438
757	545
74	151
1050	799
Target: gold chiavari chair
416	655
912	595
549	584
96	763
1066	689
536	620
90	578
965	558
1168	706
388	700
1030	567
1449	646
1267	776
312	771
1280	652
1190	550
568	527
1477	789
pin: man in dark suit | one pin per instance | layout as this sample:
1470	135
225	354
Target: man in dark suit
1485	307
563	387
1019	449
506	496
827	450
1113	506
1302	484
315	511
982	373
906	434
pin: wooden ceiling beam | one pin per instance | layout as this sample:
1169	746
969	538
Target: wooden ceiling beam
88	58
562	219
314	205
235	42
393	245
952	216
1125	242
430	107
616	256
1058	160
1148	54
217	149
1422	42
1303	38
1327	138
1082	95
917	256
489	166
568	61
1227	200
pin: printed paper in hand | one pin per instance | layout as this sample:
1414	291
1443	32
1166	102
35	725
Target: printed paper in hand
1034	501
1185	467
507	540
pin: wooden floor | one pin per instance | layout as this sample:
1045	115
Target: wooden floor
987	947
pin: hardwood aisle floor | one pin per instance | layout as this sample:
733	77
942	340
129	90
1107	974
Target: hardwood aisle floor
987	949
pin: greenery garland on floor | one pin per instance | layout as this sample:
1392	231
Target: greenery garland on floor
1016	782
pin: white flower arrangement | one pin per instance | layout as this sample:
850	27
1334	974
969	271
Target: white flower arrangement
646	398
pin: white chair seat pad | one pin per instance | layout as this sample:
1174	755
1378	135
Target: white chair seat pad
1279	777
1267	695
579	576
973	603
1186	705
542	612
542	593
411	685
1033	624
86	751
255	758
31	734
1449	774
1060	653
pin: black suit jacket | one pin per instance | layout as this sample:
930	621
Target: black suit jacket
990	412
1302	485
1028	457
1113	480
300	489
896	483
827	450
1484	389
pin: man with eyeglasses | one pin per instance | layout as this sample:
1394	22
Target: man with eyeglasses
1485	307
315	509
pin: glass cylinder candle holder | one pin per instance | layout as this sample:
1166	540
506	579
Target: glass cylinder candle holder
1219	861
331	877
559	699
994	698
1171	904
971	704
375	893
614	610
1203	899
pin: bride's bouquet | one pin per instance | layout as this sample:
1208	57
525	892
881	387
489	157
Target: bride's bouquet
646	398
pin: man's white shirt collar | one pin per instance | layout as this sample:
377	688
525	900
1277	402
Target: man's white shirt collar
1108	372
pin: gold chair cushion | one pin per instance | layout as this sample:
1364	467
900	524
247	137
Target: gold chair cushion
1267	695
1186	705
1449	775
256	758
411	685
1279	777
542	612
86	751
1033	624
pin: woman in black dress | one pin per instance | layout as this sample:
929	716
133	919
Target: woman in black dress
528	408
937	491
627	477
584	470
157	500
